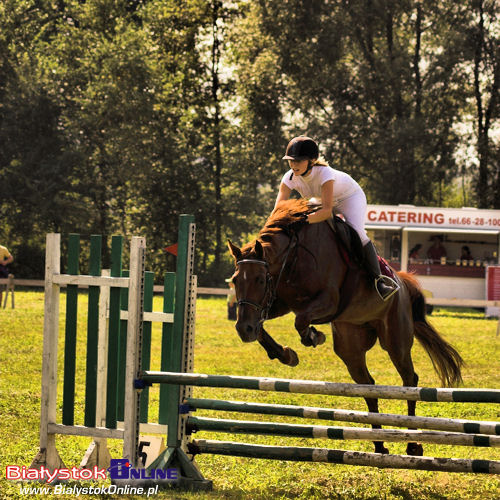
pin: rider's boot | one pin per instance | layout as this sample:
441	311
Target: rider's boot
386	287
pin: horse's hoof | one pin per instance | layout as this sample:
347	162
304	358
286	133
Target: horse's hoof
307	339
414	449
320	337
290	357
380	448
313	337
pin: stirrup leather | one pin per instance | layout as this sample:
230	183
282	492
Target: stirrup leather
388	282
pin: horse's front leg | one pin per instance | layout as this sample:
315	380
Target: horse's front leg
322	306
276	351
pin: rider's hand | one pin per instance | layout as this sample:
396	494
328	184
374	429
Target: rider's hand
299	223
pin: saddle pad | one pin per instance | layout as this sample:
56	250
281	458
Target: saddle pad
386	268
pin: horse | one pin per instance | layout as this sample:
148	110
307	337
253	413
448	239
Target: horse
305	268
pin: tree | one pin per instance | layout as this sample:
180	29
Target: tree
35	161
484	46
360	77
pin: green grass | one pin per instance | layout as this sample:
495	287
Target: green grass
219	350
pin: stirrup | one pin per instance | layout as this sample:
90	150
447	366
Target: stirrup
388	283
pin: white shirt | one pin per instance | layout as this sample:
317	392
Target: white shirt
310	186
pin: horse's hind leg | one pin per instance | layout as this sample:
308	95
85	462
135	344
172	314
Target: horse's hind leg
276	351
404	365
397	340
351	343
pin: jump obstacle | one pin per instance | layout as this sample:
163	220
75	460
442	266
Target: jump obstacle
117	382
119	311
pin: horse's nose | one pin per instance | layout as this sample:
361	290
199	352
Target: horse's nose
246	331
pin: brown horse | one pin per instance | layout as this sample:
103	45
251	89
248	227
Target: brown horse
293	266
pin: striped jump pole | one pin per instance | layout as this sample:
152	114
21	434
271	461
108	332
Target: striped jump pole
327	388
195	424
299	454
360	417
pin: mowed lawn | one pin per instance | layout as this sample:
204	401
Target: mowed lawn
219	350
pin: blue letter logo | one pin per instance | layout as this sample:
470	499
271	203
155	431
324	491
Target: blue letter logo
119	468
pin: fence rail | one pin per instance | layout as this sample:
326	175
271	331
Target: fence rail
436	301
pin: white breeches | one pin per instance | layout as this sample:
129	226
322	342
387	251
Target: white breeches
353	209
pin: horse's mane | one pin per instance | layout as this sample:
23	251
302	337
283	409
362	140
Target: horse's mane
285	213
288	211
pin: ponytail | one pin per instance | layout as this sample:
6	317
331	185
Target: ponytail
321	162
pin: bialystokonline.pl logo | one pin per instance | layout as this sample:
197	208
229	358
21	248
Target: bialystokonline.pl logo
120	469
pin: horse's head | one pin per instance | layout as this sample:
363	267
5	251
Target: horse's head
253	286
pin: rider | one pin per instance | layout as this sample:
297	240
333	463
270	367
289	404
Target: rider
339	192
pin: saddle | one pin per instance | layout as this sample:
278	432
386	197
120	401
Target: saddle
353	248
349	240
352	253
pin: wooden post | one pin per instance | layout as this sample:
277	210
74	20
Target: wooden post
134	339
180	356
114	334
146	341
404	250
166	335
9	287
98	452
92	333
68	410
48	456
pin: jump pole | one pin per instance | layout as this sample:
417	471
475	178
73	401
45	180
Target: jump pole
195	424
327	388
331	455
360	417
300	454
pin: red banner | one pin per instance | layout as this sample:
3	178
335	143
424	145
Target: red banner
493	283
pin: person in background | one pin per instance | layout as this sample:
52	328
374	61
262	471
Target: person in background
415	253
312	177
231	300
466	255
437	250
5	259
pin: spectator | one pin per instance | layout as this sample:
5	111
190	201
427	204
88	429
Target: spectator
5	259
415	253
437	250
466	255
231	300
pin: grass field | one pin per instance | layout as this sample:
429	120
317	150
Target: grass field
219	350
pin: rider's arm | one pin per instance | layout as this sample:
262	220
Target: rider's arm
283	194
325	212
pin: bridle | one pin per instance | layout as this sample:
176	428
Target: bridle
271	287
269	292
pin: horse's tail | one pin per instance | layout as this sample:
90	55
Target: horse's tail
446	360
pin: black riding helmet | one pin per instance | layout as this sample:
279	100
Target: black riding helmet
301	148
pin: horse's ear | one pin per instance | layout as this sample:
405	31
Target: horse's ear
259	252
235	251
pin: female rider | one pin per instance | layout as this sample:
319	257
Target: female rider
339	193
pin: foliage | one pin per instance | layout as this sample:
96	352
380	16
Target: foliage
118	115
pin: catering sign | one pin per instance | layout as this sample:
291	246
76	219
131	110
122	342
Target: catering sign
432	217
